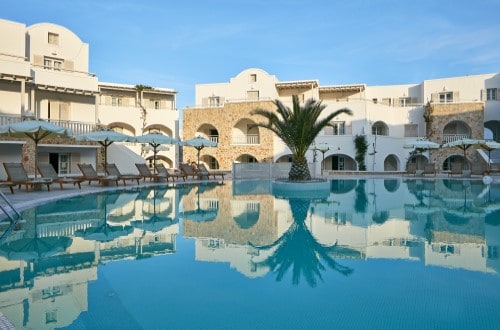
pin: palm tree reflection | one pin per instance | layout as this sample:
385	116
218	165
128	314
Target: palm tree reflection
299	250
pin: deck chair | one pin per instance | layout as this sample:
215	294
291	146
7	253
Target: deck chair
429	169
162	170
89	174
113	170
8	184
456	169
17	175
47	172
205	171
411	169
146	173
189	171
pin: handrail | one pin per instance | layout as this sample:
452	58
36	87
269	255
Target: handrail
13	221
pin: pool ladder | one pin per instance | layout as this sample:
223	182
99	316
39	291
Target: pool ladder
12	214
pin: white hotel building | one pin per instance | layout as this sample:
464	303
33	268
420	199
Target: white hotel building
441	110
44	73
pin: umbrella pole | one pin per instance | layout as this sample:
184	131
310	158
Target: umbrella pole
154	157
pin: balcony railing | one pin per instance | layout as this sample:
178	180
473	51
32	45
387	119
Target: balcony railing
454	137
246	139
75	126
214	138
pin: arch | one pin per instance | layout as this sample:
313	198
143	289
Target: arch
380	217
391	185
210	161
245	213
245	132
159	159
340	162
285	159
157	128
246	158
419	161
208	131
456	129
391	163
342	186
454	159
494	127
380	128
122	128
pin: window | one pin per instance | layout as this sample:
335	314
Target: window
253	95
214	101
155	104
337	128
51	317
116	101
446	97
491	94
380	128
411	130
53	38
404	101
52	64
253	77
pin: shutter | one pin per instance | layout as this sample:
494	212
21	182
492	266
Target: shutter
54	110
38	60
483	95
204	101
435	97
68	65
64	111
107	100
456	96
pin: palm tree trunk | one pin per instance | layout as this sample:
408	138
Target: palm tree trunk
299	171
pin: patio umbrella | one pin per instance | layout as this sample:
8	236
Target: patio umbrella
36	130
104	137
464	144
489	146
199	214
156	221
198	143
155	140
420	145
33	248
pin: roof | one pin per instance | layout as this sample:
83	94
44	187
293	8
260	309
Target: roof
297	84
343	88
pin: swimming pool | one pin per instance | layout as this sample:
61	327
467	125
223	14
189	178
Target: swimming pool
377	253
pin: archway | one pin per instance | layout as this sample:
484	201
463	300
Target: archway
245	132
454	159
210	161
246	158
494	127
456	130
380	128
208	131
340	162
391	163
285	159
418	160
158	128
159	159
122	128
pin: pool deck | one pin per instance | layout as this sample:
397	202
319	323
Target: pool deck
22	199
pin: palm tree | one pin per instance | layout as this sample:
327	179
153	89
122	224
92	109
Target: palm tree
297	127
299	251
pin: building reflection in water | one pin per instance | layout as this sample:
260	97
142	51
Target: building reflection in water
49	259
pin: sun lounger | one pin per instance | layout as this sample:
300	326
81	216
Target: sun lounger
8	184
47	172
189	171
456	169
205	171
429	169
146	173
113	170
89	174
411	169
17	175
162	170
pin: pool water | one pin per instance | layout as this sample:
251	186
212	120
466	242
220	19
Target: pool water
376	254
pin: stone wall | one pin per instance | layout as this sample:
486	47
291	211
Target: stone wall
224	119
438	115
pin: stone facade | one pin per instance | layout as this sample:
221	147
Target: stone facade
224	119
438	115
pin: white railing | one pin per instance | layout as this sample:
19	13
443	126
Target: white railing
246	139
214	138
454	137
75	126
9	119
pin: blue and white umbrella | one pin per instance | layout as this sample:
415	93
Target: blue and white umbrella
105	138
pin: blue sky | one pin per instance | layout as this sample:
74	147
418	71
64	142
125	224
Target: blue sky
177	44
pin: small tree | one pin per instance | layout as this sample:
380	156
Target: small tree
361	147
298	128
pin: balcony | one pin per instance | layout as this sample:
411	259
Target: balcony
65	80
247	139
454	137
75	126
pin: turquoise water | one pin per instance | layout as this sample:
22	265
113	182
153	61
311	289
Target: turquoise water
376	254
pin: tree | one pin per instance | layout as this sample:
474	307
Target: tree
298	128
361	147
